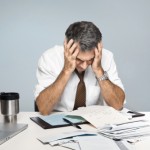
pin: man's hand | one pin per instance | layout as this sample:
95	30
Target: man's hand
96	65
70	53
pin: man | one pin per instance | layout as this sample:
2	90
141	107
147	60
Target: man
59	69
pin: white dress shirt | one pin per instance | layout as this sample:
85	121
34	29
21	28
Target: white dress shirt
50	65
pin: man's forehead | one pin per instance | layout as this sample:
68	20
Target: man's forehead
86	55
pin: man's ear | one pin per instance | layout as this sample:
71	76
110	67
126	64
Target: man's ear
101	44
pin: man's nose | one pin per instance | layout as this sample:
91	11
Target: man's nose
84	65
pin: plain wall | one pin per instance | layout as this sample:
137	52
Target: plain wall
29	27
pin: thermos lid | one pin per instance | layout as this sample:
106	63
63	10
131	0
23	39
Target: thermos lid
9	96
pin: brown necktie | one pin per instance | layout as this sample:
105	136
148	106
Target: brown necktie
81	92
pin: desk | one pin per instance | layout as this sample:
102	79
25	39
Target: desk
26	140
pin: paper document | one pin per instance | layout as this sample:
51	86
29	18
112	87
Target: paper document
96	143
99	116
144	144
65	135
61	141
127	130
72	145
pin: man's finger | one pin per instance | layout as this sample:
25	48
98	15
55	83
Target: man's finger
96	53
73	47
75	53
69	44
100	46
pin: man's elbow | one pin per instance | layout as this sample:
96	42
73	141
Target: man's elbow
42	108
120	104
43	111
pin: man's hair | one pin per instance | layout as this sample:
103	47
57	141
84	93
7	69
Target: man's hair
85	33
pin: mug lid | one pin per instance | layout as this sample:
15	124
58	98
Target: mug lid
9	96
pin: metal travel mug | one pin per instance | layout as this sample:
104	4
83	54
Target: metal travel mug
9	106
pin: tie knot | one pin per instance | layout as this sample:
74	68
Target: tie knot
80	75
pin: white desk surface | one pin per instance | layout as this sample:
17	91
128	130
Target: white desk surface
27	139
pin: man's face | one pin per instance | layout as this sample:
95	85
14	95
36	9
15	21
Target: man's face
84	59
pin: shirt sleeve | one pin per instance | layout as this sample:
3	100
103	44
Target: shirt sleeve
45	75
110	67
113	73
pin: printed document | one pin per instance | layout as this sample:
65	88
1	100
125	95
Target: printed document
96	143
127	130
99	116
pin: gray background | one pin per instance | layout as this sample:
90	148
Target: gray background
29	27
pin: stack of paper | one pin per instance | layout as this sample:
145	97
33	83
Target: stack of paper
99	116
126	130
65	135
80	140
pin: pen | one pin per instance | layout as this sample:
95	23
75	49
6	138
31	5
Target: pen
71	123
